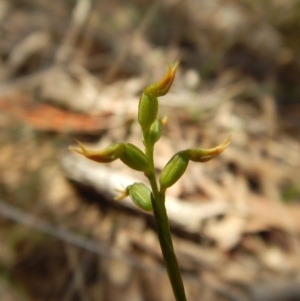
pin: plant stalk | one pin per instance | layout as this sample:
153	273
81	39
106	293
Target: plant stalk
163	230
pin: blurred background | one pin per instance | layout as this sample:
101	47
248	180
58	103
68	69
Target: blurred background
75	69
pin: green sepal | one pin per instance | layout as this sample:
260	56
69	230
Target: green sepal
133	157
173	170
147	111
140	195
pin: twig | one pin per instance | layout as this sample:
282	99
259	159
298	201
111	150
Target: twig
37	224
79	16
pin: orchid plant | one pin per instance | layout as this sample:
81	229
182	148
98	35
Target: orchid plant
152	199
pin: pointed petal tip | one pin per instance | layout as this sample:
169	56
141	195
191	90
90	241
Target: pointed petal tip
175	66
81	149
162	87
225	143
122	194
204	155
75	150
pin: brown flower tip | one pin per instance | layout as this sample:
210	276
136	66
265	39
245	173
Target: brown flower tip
162	87
204	155
109	154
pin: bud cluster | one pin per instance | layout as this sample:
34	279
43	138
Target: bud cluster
151	127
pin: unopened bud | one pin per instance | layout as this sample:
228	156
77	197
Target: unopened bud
155	131
173	171
140	195
147	111
134	158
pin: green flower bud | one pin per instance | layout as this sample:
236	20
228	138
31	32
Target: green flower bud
147	111
174	169
134	158
140	195
109	154
155	131
204	155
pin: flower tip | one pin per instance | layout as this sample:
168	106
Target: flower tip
122	194
164	120
213	152
162	87
204	155
225	143
80	151
73	149
175	66
170	75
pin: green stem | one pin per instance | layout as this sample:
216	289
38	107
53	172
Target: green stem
163	230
